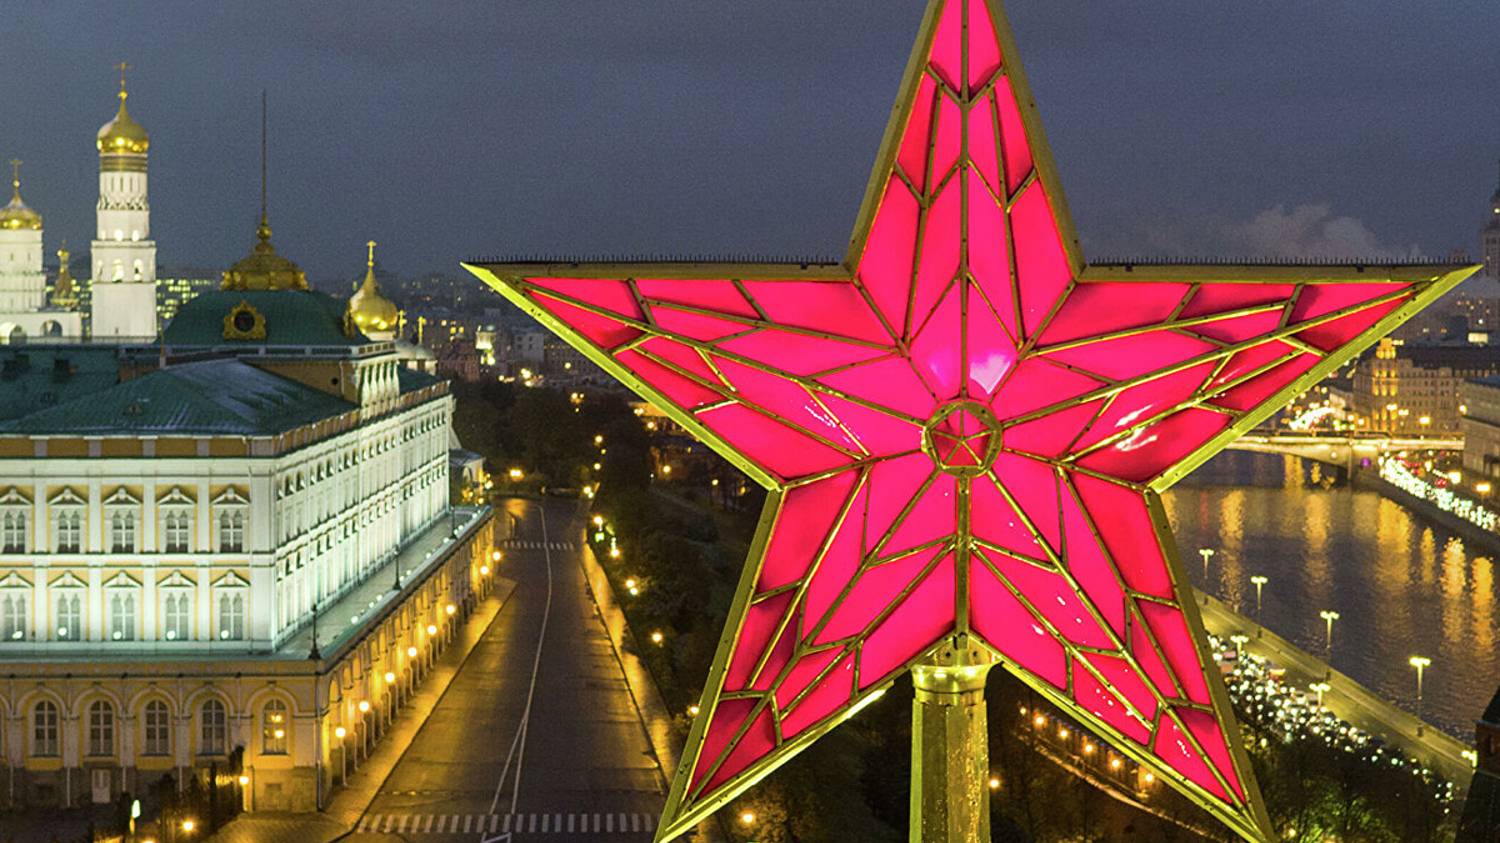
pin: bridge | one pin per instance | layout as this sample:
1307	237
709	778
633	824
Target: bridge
1343	450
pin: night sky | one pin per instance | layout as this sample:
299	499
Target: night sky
446	130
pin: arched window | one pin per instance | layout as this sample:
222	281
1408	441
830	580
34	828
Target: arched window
175	626
69	532
231	531
213	728
101	742
274	727
69	616
231	616
13	532
122	532
177	524
13	613
158	729
121	615
44	719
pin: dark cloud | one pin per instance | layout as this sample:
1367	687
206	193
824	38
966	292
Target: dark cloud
446	130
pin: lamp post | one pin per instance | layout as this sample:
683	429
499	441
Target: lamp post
1259	581
340	732
1207	553
1321	688
1420	663
1328	616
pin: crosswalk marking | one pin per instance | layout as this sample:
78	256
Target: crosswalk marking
518	544
619	822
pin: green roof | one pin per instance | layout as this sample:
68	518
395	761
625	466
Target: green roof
34	377
207	398
293	317
411	380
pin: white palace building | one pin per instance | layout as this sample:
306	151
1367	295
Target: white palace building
231	548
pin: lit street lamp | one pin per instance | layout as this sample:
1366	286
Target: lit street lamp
1207	553
1328	616
1420	663
1321	688
1259	581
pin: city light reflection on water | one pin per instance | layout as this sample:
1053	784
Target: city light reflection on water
1400	585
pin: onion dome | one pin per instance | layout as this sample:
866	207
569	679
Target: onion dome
263	269
122	135
64	294
371	311
17	215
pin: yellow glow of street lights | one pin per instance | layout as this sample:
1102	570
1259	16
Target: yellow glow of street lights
339	732
1115	763
1483	487
1039	721
450	609
484	570
666	469
994	783
431	629
1088	748
516	474
630	583
188	826
1150	778
598	520
657	637
411	652
693	710
390	678
244	780
747	818
494	556
598	439
1063	733
364	706
614	553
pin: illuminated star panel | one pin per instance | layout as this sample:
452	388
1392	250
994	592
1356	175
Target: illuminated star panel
964	430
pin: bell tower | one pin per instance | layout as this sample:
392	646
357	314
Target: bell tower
123	301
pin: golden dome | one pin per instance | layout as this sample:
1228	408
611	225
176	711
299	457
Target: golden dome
122	135
263	269
368	307
18	215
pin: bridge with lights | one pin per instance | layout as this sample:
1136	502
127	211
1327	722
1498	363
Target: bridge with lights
1341	449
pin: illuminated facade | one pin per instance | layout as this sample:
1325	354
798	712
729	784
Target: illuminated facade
123	290
963	429
223	548
1415	389
173	293
1480	425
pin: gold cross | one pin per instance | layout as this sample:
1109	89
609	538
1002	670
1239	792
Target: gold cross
122	67
15	173
371	262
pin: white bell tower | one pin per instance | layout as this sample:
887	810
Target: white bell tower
123	300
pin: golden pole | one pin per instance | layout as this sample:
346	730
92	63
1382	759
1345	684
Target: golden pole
950	745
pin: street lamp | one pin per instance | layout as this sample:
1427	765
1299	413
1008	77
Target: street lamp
1207	553
1328	616
1321	688
1420	663
340	732
1239	639
1259	581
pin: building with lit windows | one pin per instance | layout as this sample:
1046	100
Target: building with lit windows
230	549
172	293
1415	389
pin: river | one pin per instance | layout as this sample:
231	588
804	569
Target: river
1401	586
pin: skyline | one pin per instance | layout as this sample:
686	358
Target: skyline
582	165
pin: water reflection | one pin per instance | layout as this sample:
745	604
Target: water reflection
1400	586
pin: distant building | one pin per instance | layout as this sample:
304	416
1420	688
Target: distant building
1414	389
1481	426
173	293
25	309
529	348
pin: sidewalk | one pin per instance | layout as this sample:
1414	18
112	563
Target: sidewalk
655	717
1347	699
349	803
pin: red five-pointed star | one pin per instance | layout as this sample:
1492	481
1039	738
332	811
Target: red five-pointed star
964	429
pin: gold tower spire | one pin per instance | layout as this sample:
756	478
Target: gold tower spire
122	135
369	309
17	214
263	269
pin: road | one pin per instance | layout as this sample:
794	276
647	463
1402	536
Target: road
537	738
1347	699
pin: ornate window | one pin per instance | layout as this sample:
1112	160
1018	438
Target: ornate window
232	531
232	615
274	726
44	730
15	595
157	725
68	608
213	728
178	525
13	531
101	726
122	508
121	603
67	521
177	608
